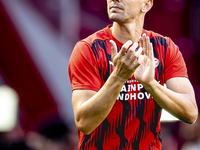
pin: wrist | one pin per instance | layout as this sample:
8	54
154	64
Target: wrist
150	86
117	78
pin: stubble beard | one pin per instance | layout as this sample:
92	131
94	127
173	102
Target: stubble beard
117	18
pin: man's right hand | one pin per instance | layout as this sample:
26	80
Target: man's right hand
125	62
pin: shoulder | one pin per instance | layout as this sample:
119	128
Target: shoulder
92	44
87	47
159	37
152	34
160	40
102	34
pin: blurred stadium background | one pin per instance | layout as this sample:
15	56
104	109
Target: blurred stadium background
36	40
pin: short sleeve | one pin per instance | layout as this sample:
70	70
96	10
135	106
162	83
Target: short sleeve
174	63
83	69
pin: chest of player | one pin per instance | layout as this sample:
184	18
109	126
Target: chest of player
102	51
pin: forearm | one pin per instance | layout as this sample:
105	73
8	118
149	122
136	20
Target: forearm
181	105
93	111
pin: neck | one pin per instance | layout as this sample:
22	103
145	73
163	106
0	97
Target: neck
127	31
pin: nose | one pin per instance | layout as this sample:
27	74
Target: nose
116	0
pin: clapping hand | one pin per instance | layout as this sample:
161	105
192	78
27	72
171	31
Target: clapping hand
146	71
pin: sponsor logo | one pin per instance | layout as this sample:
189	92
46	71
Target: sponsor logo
133	91
156	62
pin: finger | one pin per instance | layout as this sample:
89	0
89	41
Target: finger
140	41
151	55
131	50
147	41
139	62
145	50
138	52
136	55
144	43
140	59
125	47
114	49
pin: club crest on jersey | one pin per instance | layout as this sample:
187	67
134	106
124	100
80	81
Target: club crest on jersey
156	61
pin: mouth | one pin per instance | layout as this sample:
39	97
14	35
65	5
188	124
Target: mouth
115	8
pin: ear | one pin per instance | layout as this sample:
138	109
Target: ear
147	4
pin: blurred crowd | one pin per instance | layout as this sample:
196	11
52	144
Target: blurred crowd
181	136
50	132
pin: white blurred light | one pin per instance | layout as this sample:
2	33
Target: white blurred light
167	117
8	108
